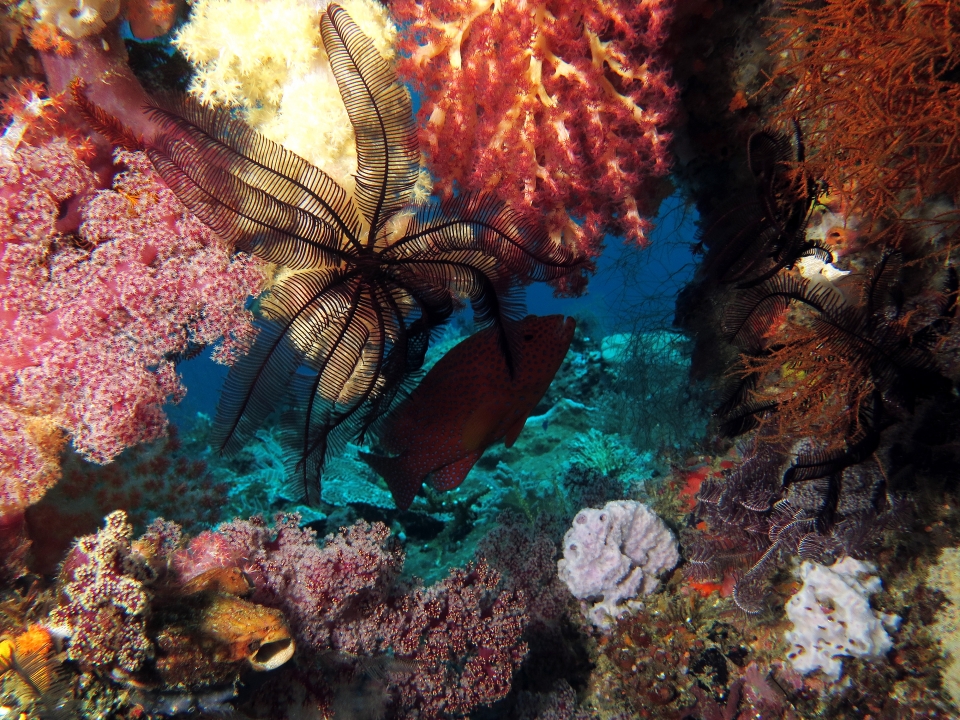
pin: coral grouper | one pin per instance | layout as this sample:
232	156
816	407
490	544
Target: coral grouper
467	402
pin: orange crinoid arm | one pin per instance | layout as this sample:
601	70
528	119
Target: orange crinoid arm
875	88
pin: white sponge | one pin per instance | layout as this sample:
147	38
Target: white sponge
613	554
832	617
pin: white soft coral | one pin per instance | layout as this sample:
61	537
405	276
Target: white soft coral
265	56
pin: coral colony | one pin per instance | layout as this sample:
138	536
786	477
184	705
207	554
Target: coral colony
412	498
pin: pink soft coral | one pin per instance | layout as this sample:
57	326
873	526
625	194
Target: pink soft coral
450	647
92	317
560	107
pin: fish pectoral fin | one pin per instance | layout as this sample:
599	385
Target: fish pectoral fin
513	432
402	483
450	476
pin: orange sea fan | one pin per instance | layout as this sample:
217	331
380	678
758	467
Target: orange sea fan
876	88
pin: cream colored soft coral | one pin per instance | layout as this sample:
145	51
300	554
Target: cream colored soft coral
77	18
266	57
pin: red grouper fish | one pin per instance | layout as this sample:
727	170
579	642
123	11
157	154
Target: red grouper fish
466	403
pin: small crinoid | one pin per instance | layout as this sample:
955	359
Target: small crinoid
363	282
753	241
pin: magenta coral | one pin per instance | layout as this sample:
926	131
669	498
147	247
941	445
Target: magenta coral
104	605
558	107
92	317
459	639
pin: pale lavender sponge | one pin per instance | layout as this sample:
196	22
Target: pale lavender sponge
612	555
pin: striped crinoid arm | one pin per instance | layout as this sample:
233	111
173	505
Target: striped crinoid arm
265	199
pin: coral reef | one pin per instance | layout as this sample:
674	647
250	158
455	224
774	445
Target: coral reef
562	111
456	644
389	277
103	289
104	607
265	59
875	87
820	323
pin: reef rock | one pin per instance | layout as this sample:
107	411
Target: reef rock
945	576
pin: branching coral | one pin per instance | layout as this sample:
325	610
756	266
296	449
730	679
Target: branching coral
874	85
560	107
456	644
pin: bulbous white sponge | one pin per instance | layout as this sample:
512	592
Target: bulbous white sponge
613	554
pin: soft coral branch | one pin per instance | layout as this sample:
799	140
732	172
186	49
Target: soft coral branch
99	292
558	107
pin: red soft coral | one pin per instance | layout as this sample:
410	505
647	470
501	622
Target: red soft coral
560	107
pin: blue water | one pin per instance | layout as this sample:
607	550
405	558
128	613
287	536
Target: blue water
634	289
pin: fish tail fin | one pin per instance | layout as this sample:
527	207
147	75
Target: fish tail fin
402	486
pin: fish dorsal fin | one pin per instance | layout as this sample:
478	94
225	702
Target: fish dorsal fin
513	432
450	476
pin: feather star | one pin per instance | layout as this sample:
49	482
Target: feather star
363	281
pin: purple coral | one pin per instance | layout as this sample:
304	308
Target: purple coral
454	645
104	606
